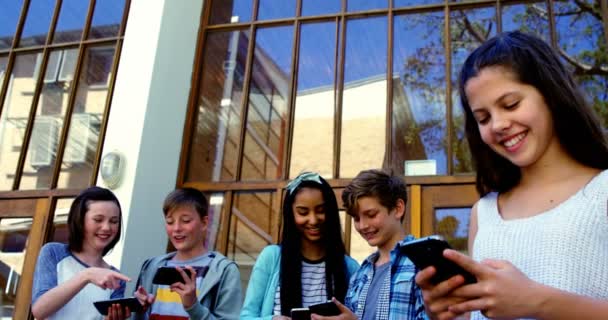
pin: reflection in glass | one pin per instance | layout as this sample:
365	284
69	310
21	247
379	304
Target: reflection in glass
453	225
60	220
37	23
253	221
469	28
231	11
361	5
14	233
530	18
216	206
213	154
9	17
363	139
582	41
406	3
106	18
52	105
71	21
313	129
319	7
419	106
276	9
15	112
3	65
89	106
267	110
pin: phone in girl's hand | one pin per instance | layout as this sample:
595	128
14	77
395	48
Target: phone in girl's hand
300	314
428	251
170	275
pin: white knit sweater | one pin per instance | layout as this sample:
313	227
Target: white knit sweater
565	247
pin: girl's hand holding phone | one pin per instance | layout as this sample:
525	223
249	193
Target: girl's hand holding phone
501	291
438	297
115	312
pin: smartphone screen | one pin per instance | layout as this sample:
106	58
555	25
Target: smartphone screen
170	275
427	252
326	309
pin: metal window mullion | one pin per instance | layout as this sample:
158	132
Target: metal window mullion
34	104
293	92
552	24
389	89
448	88
67	120
245	102
498	15
340	61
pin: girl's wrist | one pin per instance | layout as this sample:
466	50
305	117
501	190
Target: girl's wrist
540	297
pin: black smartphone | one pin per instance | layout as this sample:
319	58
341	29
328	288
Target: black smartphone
170	275
300	314
133	304
428	251
326	309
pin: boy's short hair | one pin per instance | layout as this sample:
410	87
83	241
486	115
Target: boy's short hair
387	188
182	197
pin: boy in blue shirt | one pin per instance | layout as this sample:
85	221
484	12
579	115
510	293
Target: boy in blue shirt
384	286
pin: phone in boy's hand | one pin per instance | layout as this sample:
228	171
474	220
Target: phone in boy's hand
326	309
300	314
428	251
170	275
133	304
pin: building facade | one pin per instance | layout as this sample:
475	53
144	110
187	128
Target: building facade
235	98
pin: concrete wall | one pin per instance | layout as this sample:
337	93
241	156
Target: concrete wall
147	119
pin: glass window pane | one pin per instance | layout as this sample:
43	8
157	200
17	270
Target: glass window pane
60	220
469	28
253	222
71	21
406	3
529	18
231	11
363	140
89	107
581	37
3	65
9	17
216	206
319	7
37	23
52	105
268	100
313	131
361	5
419	106
213	153
14	233
15	113
453	225
276	9
106	18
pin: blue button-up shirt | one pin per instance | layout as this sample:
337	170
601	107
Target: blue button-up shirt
401	299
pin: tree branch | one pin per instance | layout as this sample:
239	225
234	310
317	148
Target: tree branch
604	10
584	69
